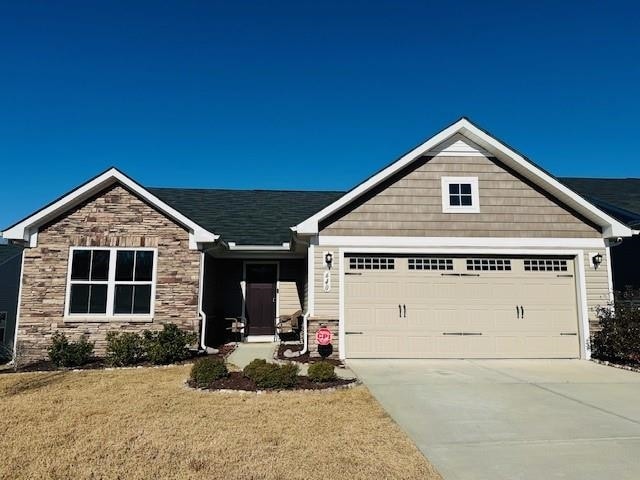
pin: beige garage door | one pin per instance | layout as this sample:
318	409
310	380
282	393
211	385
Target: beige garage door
460	307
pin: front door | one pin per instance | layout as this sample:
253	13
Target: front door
260	310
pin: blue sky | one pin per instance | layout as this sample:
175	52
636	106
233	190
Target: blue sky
297	95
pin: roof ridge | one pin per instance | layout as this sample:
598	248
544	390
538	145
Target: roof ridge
245	190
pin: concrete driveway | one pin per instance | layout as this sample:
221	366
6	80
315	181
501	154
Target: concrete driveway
514	419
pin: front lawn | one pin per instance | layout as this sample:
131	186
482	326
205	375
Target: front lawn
144	423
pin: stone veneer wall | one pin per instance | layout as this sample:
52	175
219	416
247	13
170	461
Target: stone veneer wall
313	325
113	218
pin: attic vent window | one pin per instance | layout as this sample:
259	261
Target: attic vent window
460	195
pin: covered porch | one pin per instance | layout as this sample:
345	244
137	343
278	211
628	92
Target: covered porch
253	298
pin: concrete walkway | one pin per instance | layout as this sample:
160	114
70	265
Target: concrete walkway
514	419
245	352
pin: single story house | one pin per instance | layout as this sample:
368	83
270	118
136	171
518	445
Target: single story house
10	256
460	248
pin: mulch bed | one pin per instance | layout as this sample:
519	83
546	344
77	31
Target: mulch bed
237	381
97	363
631	366
306	358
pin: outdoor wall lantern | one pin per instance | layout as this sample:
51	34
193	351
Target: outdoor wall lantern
328	259
597	260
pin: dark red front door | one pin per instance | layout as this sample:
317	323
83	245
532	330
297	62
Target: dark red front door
261	299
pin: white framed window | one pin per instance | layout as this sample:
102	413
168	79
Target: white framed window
111	283
460	195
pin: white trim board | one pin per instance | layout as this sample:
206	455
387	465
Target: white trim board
27	230
580	278
611	227
467	242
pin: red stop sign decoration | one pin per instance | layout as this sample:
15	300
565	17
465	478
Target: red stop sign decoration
323	336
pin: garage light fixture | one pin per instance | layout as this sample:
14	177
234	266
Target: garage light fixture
597	260
328	259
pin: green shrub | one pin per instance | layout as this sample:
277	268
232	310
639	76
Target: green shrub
64	353
250	371
272	375
124	349
208	369
321	372
618	340
168	345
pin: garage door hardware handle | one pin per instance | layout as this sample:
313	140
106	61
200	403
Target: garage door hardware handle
517	311
404	307
564	276
460	274
568	333
462	333
400	310
521	311
353	333
353	273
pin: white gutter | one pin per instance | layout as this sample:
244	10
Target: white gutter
305	338
285	247
203	316
14	358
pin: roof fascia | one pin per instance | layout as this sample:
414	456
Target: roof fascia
27	229
611	227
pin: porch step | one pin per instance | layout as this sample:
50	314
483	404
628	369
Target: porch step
245	352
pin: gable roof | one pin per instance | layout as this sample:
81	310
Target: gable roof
620	197
8	251
27	228
247	217
464	128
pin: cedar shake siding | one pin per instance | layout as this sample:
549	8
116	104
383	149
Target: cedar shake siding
113	218
410	204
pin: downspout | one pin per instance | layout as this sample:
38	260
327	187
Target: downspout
305	341
203	316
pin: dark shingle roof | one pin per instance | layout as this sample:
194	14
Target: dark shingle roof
247	217
619	197
8	251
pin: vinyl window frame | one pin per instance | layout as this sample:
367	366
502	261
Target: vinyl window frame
475	195
111	283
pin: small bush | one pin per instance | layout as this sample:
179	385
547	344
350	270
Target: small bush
272	375
124	349
208	369
168	345
250	371
618	340
64	353
321	372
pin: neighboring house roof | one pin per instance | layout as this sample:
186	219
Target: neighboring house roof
247	217
8	251
620	197
464	128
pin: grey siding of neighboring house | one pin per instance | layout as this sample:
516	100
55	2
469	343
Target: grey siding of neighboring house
9	287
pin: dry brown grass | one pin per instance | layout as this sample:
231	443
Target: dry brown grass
143	423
